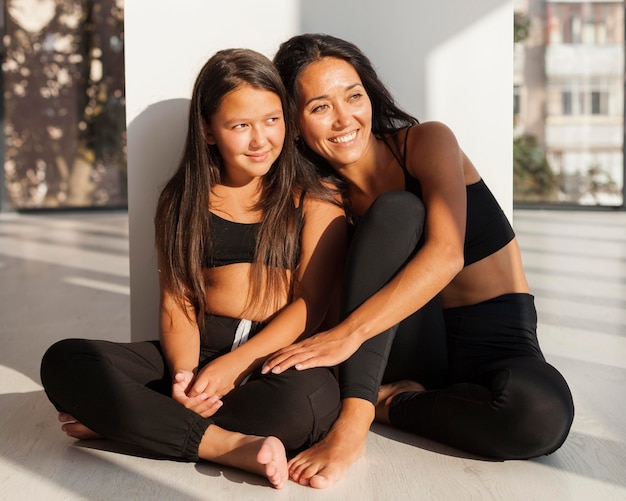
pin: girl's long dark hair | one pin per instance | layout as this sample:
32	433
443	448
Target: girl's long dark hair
183	233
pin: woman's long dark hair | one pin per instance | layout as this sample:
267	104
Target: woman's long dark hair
183	233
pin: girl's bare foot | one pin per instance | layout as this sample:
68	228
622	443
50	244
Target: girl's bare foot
273	459
263	456
386	394
75	429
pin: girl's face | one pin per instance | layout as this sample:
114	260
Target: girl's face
248	129
334	111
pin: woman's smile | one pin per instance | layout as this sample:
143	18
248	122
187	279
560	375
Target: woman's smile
345	138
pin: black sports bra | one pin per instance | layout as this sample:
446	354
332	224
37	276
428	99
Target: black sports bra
233	242
487	228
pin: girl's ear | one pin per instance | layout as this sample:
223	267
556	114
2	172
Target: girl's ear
206	132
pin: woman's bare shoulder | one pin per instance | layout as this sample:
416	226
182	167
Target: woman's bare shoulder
429	132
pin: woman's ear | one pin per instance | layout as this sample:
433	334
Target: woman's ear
206	132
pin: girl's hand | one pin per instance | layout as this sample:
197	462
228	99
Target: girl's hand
217	378
202	403
325	349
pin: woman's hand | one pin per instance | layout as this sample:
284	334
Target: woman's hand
325	349
204	404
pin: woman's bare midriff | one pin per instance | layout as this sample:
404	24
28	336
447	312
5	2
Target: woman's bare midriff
497	274
228	290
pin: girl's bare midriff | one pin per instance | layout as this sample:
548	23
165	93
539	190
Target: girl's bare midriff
228	290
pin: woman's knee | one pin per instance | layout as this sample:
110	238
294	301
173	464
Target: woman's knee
538	413
397	212
552	411
386	237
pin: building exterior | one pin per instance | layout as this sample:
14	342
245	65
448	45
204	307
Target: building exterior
569	95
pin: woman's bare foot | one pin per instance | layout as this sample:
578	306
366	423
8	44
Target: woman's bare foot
386	394
263	456
326	462
76	429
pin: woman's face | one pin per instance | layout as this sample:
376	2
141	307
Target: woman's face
334	111
248	129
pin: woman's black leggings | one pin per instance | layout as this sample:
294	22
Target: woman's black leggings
490	391
122	391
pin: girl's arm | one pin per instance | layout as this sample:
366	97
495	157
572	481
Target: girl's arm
178	329
323	247
437	161
180	342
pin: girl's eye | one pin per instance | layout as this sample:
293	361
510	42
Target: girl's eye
355	96
239	126
273	120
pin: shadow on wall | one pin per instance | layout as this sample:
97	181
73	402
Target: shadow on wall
155	142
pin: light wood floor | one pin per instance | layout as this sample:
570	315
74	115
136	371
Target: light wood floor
66	275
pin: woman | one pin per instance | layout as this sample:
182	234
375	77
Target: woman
249	242
429	231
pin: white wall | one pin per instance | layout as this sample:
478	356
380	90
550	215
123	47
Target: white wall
450	60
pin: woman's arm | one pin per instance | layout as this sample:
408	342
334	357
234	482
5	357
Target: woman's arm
435	159
323	247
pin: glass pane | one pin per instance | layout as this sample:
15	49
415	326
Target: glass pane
64	104
569	88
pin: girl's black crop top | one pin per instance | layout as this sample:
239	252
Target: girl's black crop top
232	242
487	228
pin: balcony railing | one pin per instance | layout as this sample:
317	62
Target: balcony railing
569	60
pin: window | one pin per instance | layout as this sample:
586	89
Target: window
569	135
592	23
567	102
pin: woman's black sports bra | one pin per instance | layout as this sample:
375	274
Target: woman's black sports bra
487	228
233	242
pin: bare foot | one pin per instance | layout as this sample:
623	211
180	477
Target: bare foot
327	461
386	394
263	456
273	459
75	429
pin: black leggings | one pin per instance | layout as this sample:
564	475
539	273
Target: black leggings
490	391
122	391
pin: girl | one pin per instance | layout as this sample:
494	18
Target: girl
430	235
249	244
